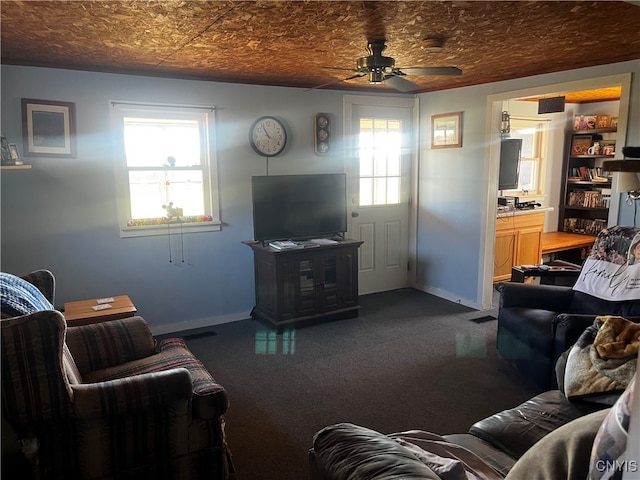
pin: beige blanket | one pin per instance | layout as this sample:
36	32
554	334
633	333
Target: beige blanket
617	337
603	360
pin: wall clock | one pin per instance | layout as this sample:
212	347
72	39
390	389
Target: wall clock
268	136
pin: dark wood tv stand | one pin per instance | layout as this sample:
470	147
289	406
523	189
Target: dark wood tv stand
300	286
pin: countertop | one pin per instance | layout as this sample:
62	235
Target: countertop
515	213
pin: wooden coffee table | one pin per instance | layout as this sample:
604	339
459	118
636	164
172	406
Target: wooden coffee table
84	313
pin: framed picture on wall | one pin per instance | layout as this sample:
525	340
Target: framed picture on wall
48	128
446	130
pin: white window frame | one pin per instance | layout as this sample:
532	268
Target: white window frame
541	139
205	115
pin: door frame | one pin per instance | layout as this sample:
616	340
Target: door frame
492	159
412	102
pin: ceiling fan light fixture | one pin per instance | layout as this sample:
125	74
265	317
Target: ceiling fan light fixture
376	76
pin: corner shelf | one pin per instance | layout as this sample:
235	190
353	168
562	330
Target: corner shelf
15	167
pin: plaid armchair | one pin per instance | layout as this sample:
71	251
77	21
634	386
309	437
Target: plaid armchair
102	401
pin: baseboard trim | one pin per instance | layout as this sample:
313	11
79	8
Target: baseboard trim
199	323
447	296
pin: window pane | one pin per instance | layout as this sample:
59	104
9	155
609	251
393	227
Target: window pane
152	189
393	163
151	142
366	191
527	175
528	137
393	190
380	162
147	194
380	191
366	162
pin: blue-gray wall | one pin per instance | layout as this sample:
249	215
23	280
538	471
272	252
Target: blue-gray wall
453	182
61	214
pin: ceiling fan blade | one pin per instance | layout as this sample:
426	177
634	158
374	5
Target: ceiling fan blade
337	81
341	69
431	71
400	83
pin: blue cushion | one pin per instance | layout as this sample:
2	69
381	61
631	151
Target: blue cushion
20	297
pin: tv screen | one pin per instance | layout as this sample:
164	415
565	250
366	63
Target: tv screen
510	149
298	206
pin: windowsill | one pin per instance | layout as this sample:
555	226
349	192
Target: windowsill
520	195
152	230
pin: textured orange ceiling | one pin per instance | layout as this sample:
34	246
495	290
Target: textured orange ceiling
289	43
586	96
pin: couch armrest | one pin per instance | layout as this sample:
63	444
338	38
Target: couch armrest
555	298
138	393
345	451
568	327
106	344
516	430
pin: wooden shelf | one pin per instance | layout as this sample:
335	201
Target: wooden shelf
15	167
593	130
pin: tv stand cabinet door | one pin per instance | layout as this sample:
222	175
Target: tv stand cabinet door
275	286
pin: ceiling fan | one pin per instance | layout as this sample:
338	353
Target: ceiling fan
378	69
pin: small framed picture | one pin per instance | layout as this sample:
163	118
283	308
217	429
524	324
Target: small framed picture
580	122
48	128
603	121
446	130
15	156
580	145
613	123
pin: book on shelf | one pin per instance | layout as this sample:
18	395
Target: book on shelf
590	198
584	225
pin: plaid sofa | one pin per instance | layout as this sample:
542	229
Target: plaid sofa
103	401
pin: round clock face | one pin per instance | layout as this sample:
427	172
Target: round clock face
323	147
267	136
322	134
322	121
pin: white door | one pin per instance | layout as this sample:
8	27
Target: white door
378	171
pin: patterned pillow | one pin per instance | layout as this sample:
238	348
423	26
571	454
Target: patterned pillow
20	297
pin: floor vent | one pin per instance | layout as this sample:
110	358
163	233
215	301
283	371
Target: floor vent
483	319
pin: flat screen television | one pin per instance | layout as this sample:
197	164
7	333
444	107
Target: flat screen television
298	206
510	151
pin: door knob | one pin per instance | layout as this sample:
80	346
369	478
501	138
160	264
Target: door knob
355	214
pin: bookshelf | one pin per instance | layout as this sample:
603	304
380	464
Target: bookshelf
586	187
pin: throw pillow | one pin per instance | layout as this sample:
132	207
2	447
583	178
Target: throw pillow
20	297
611	441
563	453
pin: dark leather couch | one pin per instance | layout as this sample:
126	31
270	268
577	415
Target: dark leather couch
350	451
546	437
536	323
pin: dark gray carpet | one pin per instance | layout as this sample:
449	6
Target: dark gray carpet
409	361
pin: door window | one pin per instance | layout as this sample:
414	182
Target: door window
379	151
